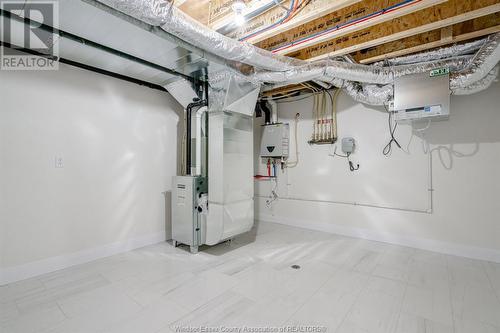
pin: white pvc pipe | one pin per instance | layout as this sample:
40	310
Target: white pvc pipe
198	133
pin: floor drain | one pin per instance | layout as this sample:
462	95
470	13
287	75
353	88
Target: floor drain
295	266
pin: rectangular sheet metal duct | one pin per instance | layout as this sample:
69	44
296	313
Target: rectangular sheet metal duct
230	159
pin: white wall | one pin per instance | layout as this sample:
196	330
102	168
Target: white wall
118	142
465	176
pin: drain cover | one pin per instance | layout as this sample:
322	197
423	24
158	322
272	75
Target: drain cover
295	266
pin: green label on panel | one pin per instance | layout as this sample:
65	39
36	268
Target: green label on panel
439	72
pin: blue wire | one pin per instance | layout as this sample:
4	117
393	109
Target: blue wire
346	23
272	25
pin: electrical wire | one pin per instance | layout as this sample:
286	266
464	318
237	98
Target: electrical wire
273	196
280	21
347	156
302	5
296	6
424	128
353	22
392	130
351	165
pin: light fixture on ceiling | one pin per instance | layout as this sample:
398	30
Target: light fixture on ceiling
238	7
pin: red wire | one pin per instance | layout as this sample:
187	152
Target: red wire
295	6
284	47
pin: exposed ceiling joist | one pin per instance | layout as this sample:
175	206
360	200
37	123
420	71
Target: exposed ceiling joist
338	24
221	14
426	20
428	46
197	9
460	32
369	30
284	90
304	18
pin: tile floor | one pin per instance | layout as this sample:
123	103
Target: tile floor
343	284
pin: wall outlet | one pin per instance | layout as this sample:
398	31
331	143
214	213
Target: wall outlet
59	162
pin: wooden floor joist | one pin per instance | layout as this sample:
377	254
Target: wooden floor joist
306	17
312	11
460	32
284	90
219	19
292	39
413	27
433	45
447	14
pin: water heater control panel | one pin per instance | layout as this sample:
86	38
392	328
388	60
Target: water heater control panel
275	141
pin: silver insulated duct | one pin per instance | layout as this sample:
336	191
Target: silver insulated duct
371	84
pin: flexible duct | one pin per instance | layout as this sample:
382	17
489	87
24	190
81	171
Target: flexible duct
169	18
328	70
442	53
483	63
479	85
272	68
371	94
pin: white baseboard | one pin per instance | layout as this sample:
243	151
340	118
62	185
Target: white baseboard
419	243
17	273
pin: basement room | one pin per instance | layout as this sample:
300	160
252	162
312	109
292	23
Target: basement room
249	166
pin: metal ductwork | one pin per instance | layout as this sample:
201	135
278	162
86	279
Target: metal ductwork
358	80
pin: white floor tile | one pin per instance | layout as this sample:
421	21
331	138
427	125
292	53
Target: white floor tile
206	286
34	321
222	310
106	299
8	311
343	284
378	307
159	289
410	323
349	327
434	305
493	272
262	282
150	319
330	304
468	326
47	296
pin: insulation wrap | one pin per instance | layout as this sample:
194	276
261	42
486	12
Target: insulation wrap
480	66
442	53
169	18
365	83
327	70
479	85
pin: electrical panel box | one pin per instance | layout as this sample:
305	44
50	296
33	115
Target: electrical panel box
275	141
424	96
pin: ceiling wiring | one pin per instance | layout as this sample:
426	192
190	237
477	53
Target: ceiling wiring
295	7
316	35
392	130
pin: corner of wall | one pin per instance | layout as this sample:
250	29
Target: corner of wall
414	242
32	269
